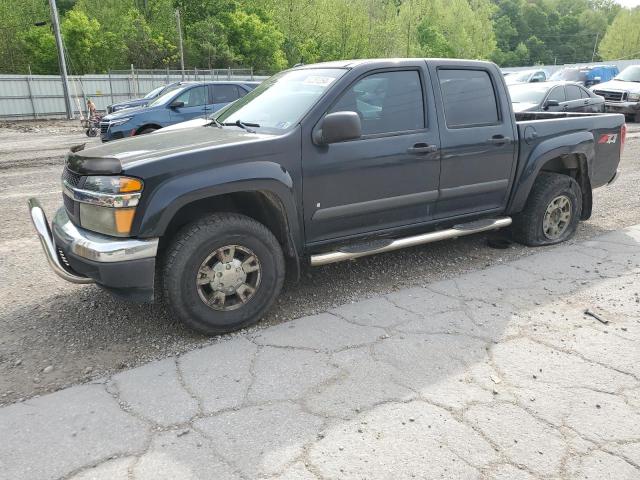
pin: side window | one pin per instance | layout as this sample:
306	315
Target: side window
193	97
584	93
224	93
386	102
468	97
557	94
573	92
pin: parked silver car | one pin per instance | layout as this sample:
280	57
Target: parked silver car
622	94
526	76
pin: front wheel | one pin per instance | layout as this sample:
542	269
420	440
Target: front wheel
222	273
551	213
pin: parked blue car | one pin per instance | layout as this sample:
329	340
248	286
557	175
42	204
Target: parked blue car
188	101
141	102
586	76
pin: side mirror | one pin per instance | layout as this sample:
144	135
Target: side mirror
176	104
551	103
338	127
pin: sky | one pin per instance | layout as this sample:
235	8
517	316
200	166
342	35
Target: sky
629	3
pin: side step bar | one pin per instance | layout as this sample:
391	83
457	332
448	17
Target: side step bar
457	231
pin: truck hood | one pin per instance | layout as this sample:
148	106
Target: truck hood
112	157
196	122
632	87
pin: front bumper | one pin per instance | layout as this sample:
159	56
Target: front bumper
627	108
124	266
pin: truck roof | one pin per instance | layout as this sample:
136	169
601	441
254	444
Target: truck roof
388	62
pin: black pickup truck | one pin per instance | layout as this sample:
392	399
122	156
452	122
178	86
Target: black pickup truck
319	164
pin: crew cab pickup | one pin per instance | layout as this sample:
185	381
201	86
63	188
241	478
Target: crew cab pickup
319	164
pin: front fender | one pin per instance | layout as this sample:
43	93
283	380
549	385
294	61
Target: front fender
579	143
176	192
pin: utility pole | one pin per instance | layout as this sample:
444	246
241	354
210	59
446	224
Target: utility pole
180	42
595	45
63	65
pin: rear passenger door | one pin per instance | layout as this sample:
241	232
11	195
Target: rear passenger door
477	141
575	102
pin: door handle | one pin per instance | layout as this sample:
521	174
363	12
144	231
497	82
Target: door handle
420	148
499	140
586	102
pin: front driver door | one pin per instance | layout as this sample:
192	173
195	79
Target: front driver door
195	104
557	94
389	176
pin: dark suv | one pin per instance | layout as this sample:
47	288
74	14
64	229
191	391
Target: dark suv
188	101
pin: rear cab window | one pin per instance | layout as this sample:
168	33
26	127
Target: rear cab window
468	97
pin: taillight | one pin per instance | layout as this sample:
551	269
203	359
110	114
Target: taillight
623	137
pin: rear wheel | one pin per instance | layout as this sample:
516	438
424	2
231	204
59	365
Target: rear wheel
222	273
551	213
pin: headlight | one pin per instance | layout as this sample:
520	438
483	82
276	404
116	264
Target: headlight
120	121
107	203
633	97
109	184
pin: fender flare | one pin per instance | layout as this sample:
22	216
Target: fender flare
174	193
580	144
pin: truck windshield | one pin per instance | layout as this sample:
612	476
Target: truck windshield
279	102
527	93
630	74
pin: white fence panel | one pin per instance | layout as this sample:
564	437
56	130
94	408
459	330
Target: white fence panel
41	96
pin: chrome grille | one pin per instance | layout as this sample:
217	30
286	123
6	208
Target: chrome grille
610	95
104	128
73	179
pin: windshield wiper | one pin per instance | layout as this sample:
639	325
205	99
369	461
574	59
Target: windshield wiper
243	125
215	122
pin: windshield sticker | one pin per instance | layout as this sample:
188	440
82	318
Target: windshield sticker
318	80
283	124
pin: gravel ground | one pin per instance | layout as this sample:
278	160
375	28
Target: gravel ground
54	334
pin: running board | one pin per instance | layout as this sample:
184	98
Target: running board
349	253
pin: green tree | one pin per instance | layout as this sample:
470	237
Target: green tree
38	48
622	39
256	43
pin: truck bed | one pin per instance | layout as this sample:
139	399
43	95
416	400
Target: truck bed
599	137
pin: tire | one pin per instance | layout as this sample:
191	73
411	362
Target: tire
146	130
91	132
550	192
193	252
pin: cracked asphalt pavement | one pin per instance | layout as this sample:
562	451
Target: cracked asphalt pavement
54	334
494	374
